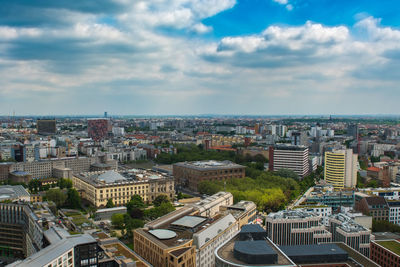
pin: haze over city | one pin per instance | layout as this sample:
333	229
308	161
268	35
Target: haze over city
199	57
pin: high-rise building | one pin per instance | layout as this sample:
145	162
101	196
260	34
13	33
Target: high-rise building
290	157
299	138
352	130
341	168
98	129
46	127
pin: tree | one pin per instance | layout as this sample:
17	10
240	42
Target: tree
160	199
65	183
57	196
287	174
34	185
73	199
135	202
110	203
117	220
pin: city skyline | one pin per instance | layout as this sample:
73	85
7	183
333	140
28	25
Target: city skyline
227	57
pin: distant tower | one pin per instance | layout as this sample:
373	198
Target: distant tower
105	114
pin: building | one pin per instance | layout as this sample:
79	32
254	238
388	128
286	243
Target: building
321	210
376	207
296	227
394	211
167	240
20	233
106	214
211	205
190	174
380	174
299	139
98	129
99	187
341	168
14	193
54	167
251	247
346	230
352	130
64	250
290	157
386	252
46	127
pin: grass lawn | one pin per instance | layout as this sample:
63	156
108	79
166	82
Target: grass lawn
391	245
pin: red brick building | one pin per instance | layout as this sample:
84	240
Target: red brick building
386	253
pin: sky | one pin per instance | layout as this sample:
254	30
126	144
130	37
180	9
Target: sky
187	57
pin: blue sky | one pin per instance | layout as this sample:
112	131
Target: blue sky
199	57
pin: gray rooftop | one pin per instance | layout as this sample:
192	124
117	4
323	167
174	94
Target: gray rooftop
210	165
12	192
189	221
111	177
48	254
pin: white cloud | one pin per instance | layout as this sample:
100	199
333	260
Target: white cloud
201	28
282	2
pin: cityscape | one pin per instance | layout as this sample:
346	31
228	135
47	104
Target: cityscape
199	133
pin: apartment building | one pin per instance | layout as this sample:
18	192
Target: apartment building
341	168
290	157
99	187
296	227
190	174
346	230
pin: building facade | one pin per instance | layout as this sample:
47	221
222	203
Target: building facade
290	157
296	227
341	168
99	187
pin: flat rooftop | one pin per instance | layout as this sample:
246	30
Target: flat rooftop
210	165
291	214
102	178
225	252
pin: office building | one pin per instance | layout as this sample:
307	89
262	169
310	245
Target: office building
46	127
341	168
54	167
299	139
251	247
211	205
20	233
289	157
352	130
190	174
386	252
346	230
296	227
64	250
98	129
99	187
185	237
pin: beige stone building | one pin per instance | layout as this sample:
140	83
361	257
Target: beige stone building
99	187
